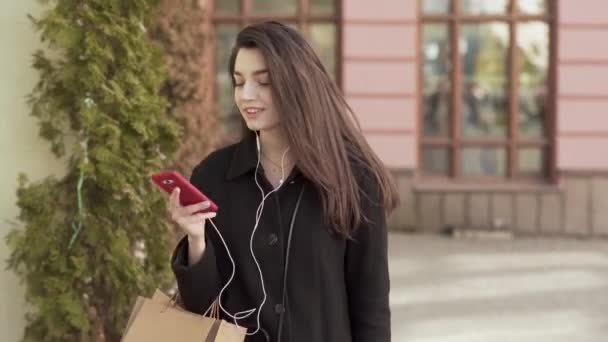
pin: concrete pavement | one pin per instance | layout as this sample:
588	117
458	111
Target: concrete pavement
522	290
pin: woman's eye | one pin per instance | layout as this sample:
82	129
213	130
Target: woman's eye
240	84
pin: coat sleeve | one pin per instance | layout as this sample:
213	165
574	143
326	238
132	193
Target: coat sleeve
367	275
199	284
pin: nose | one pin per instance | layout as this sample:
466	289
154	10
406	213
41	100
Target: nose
249	91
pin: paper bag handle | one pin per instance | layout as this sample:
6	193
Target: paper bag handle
172	302
213	311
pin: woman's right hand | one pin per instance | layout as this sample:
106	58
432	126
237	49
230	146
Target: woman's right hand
191	223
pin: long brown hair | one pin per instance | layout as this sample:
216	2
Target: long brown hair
323	132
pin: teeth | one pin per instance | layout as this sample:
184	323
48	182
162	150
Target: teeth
252	111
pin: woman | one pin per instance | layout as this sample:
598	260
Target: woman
310	262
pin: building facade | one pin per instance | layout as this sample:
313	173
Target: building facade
491	114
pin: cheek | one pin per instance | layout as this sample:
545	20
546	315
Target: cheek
236	94
266	96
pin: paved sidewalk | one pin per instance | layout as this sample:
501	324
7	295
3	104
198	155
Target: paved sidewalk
523	290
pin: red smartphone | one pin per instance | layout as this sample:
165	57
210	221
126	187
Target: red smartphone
189	194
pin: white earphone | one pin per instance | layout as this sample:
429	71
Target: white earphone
257	143
259	149
258	216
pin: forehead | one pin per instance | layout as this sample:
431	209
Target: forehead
249	60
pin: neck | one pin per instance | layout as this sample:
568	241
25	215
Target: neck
274	143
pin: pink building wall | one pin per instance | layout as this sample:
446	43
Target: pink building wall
582	103
380	79
380	75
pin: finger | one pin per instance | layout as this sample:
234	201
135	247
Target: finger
209	215
191	209
197	218
174	199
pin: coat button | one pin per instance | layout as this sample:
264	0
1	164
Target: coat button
279	309
272	239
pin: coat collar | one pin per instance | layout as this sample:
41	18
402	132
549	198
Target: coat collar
244	158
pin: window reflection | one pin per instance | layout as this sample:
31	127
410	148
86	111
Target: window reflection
437	85
477	7
227	6
322	6
323	40
435	6
484	50
478	132
533	57
436	160
533	6
531	161
484	161
274	7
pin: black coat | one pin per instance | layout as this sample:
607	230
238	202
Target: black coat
336	290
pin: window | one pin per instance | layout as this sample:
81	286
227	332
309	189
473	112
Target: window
487	89
317	20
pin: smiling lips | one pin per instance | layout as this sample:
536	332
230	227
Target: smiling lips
253	112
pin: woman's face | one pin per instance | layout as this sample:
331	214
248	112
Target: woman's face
252	91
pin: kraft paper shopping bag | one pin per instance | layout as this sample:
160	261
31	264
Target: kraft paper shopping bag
159	319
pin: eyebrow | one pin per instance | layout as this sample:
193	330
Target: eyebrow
257	72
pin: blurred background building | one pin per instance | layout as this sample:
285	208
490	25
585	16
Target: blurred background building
492	114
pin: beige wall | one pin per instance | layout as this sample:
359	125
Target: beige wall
21	149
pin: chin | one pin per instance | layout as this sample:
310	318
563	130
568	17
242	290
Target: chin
254	126
260	126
